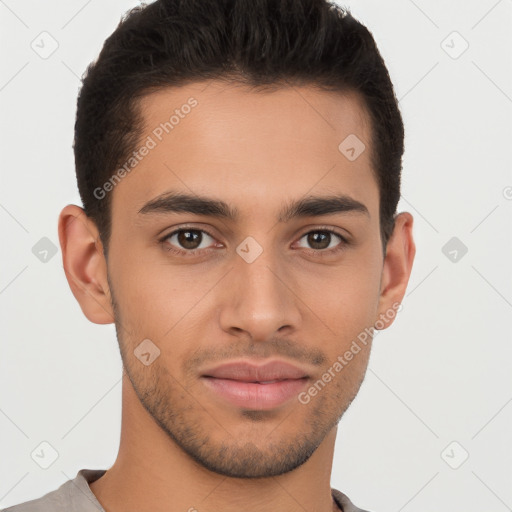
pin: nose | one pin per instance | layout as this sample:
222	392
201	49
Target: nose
259	298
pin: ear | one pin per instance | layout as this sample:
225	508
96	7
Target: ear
84	264
396	271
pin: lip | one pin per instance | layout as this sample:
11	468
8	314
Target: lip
250	372
251	386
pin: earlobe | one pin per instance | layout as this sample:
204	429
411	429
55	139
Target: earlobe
84	264
396	270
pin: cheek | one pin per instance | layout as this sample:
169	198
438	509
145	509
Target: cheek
345	298
155	298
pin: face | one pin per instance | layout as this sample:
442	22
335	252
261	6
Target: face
249	279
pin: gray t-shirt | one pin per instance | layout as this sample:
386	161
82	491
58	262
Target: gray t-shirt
76	496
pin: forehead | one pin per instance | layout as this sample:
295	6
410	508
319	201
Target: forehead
250	147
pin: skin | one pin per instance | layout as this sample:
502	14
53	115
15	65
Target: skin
181	445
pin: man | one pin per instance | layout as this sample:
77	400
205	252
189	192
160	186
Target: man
239	165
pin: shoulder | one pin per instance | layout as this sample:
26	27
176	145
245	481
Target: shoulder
55	501
74	494
344	502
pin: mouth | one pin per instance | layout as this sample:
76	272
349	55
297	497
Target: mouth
255	395
258	387
249	371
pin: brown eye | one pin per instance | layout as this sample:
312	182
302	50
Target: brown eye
187	239
323	239
319	240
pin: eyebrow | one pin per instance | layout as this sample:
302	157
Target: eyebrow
312	206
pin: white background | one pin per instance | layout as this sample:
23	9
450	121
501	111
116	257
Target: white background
441	373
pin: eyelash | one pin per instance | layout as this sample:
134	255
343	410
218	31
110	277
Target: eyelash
193	252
